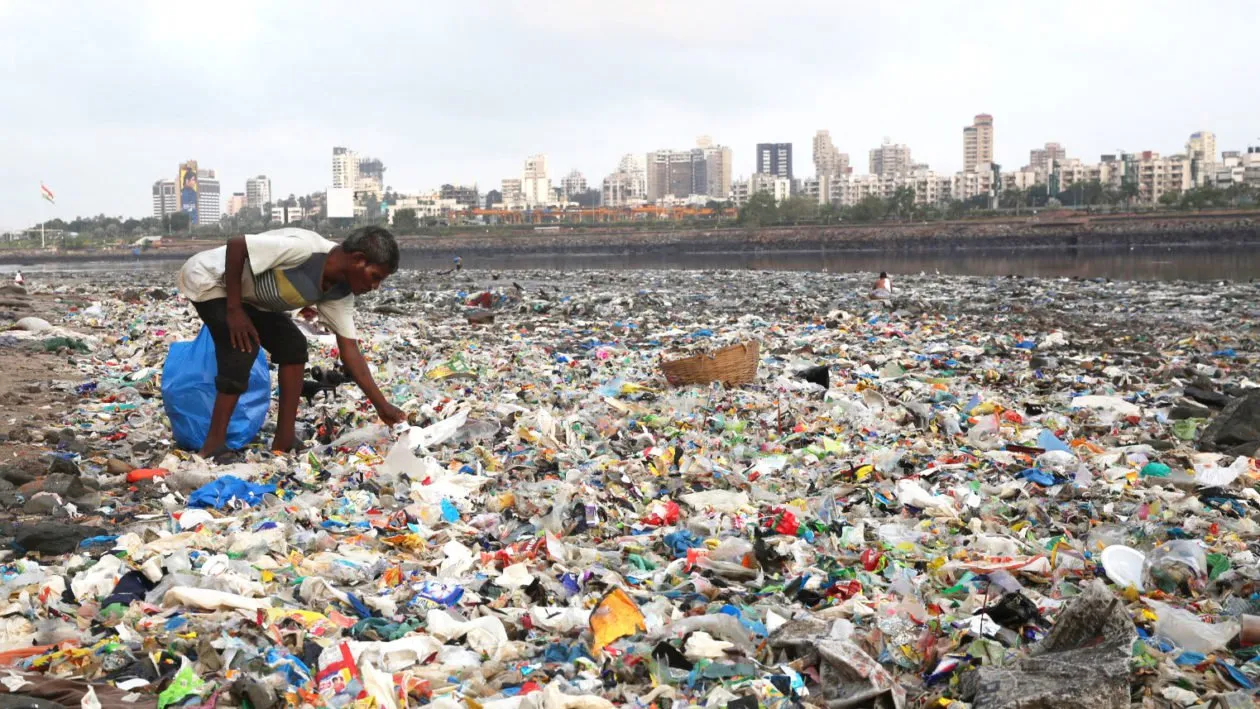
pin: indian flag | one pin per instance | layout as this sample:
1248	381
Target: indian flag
46	193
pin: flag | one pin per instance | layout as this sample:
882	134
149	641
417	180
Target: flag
46	193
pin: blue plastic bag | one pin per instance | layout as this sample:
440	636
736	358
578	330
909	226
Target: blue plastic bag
219	493
188	394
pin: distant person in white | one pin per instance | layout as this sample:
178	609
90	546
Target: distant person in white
18	280
883	287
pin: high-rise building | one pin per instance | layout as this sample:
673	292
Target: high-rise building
827	160
774	159
535	183
717	170
622	188
1041	159
676	173
235	204
1201	149
345	168
573	183
891	159
370	178
978	143
257	192
209	210
165	198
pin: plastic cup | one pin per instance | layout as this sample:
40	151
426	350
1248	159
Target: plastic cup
1124	565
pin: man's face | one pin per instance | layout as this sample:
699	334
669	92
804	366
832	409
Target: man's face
366	277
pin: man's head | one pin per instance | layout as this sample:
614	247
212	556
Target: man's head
373	256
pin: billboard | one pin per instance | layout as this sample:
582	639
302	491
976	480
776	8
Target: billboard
188	190
340	203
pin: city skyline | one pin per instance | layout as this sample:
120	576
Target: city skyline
98	100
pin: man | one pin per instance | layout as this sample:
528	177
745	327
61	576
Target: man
245	308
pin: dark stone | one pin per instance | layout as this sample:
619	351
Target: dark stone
45	505
1236	429
1187	409
14	475
59	464
1043	362
1207	396
52	538
159	294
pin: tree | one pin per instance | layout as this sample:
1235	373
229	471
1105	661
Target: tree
798	209
1014	198
1038	195
1169	199
179	222
901	203
406	220
868	210
1128	192
759	211
829	213
586	199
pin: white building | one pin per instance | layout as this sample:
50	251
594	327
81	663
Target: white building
891	159
257	192
209	209
345	168
623	189
165	198
573	183
828	160
286	215
740	192
718	163
510	190
978	143
535	184
774	185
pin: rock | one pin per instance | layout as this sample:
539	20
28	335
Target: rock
1207	396
12	289
9	497
1082	664
1043	362
15	475
67	486
118	467
1188	409
52	538
33	324
45	504
159	294
1236	429
58	464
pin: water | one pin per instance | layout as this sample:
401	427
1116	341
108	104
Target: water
1121	263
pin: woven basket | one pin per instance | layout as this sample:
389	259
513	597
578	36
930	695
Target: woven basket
733	366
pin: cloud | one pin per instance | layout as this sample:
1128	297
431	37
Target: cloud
111	97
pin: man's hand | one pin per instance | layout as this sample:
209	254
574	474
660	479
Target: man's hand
241	330
391	414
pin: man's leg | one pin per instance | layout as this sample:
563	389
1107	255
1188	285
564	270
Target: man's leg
232	378
286	416
287	346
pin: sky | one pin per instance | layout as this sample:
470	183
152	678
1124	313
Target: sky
100	99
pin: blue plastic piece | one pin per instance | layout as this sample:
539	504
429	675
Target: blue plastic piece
219	493
188	394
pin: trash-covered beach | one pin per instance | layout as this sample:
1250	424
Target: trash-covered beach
984	492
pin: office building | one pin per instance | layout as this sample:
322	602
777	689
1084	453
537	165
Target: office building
513	198
235	204
165	198
345	168
1041	159
257	192
209	207
890	159
573	183
677	173
535	183
774	159
978	143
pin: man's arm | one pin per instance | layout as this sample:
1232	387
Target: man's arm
240	328
357	368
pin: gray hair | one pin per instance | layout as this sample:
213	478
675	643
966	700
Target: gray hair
376	244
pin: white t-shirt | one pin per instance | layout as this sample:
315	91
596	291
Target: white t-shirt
285	273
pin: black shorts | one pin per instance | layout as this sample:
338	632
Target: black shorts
278	333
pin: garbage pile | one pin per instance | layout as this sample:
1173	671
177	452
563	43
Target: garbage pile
979	493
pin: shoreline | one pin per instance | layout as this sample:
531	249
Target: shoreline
1188	233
